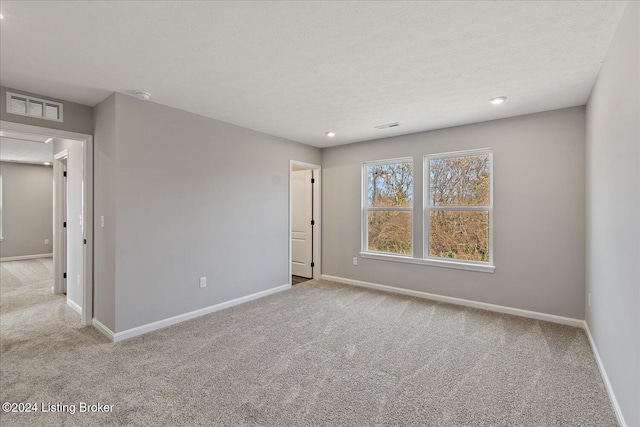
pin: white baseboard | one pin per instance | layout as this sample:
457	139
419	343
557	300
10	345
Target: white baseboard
20	258
75	306
464	302
149	327
605	378
106	331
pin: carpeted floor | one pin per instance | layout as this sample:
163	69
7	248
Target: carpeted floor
318	354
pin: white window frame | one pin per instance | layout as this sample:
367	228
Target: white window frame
482	266
365	252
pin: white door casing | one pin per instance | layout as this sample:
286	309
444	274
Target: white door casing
301	228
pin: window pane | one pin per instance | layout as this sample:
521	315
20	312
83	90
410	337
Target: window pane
389	231
390	184
459	235
462	181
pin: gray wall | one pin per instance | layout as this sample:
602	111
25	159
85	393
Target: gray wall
77	118
538	213
104	201
192	197
613	214
27	209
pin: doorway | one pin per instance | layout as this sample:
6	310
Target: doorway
304	222
72	213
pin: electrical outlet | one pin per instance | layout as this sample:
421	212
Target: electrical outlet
46	241
203	282
355	260
589	299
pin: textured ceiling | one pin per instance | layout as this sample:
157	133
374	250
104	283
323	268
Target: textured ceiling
299	69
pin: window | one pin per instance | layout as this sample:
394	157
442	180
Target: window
457	210
459	207
388	207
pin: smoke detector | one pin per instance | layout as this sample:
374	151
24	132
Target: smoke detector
140	94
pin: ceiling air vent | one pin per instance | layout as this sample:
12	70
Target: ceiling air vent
34	107
388	125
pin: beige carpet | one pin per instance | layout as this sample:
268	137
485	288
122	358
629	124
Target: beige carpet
318	354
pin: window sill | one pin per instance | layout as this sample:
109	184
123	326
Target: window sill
459	265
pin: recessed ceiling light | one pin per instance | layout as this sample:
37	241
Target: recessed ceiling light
48	140
47	163
140	94
331	134
498	100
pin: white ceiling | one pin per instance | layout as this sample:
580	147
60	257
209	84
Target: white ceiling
24	151
299	69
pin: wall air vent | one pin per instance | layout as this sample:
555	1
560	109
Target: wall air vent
388	125
25	105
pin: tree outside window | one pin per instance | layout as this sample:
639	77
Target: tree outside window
388	205
459	206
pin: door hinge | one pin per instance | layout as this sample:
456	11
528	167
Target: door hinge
313	264
64	174
313	180
313	222
64	224
64	275
85	241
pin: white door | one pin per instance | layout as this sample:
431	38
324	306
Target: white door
301	228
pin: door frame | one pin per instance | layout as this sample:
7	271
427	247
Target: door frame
87	208
59	212
317	211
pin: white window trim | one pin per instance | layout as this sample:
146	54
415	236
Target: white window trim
478	266
364	234
489	266
434	262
